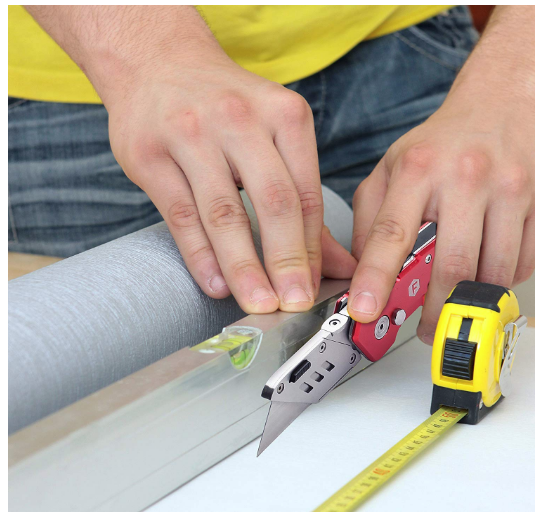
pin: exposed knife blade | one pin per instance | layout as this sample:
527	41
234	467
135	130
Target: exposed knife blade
308	375
280	416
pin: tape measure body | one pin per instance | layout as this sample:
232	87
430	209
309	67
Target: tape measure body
468	348
356	491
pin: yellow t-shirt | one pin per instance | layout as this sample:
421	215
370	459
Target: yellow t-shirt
281	43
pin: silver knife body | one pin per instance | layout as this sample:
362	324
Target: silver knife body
309	375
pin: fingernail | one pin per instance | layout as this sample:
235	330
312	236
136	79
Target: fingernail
217	282
296	294
427	338
364	303
259	294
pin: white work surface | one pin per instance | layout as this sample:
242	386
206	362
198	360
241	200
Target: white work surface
487	467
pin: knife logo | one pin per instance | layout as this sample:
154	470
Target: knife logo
414	287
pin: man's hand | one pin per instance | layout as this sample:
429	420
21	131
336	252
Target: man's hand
188	126
470	168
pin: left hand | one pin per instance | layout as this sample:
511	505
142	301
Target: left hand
469	168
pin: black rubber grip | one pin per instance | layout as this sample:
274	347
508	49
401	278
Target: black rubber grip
479	294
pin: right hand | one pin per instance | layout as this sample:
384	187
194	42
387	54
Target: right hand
188	132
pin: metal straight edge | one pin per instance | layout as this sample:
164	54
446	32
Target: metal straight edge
133	442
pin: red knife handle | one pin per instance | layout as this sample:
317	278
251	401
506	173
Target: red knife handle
376	338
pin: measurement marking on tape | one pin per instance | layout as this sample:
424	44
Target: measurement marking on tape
357	490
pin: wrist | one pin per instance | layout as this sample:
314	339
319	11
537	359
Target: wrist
498	84
139	44
114	74
501	70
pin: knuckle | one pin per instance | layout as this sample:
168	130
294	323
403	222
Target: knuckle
185	124
281	200
311	203
389	230
183	215
473	167
235	110
516	183
417	160
227	213
200	252
144	151
314	253
288	260
293	109
454	268
241	268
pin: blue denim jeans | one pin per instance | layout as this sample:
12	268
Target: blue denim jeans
67	193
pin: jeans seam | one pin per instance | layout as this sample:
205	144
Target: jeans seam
424	53
12	221
458	53
322	101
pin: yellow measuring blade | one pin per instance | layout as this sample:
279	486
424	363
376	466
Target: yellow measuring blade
356	491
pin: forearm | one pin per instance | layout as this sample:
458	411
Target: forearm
115	45
502	67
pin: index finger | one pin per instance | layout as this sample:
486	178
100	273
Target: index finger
390	239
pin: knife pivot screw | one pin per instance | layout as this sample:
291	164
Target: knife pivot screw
334	322
382	327
353	358
280	388
322	347
428	258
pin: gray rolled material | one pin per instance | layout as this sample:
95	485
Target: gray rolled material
92	319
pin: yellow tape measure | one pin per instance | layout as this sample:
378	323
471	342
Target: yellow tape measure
356	491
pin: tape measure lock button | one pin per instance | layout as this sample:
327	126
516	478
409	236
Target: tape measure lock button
459	357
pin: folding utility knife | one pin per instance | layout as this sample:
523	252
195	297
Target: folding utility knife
328	356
